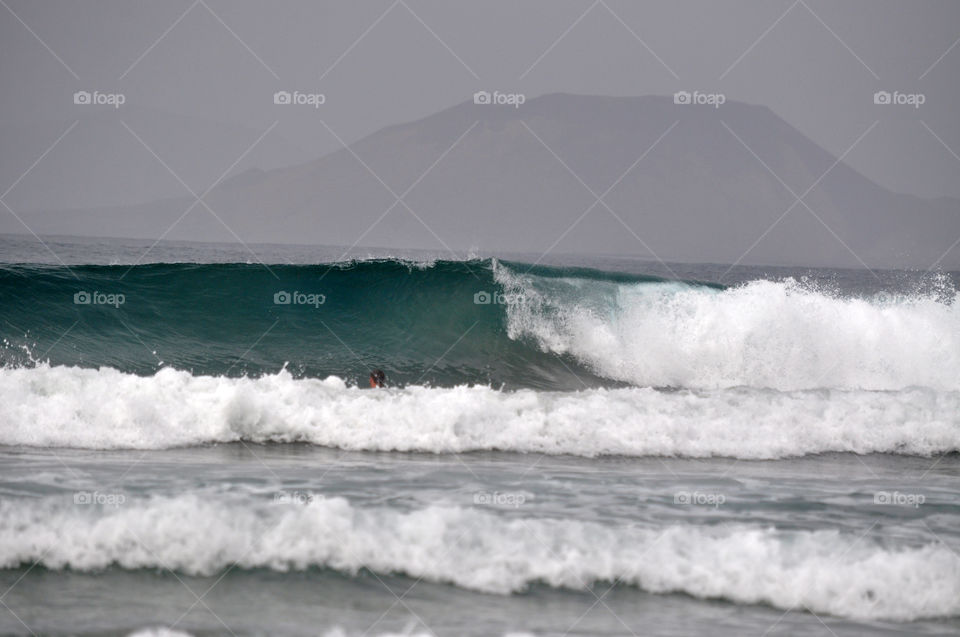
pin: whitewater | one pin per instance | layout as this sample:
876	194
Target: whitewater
559	360
482	552
586	446
107	409
785	334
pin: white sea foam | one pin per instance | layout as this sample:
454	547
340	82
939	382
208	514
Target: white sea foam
843	574
336	631
161	631
107	409
779	334
410	631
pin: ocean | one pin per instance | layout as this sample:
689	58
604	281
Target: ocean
565	446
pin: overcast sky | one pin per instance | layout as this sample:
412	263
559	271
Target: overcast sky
380	62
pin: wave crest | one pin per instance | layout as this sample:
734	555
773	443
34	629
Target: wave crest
777	334
108	409
824	571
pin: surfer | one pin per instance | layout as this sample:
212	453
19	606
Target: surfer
377	378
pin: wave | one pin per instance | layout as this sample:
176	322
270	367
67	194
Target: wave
339	319
336	631
108	409
785	335
825	571
488	322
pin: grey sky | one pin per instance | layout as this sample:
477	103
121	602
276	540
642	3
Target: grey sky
816	64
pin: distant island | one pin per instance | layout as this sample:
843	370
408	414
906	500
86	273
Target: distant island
716	187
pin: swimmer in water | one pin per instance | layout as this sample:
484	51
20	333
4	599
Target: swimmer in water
377	378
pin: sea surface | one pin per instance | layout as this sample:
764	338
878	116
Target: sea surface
566	445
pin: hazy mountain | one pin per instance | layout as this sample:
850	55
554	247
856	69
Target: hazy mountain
699	195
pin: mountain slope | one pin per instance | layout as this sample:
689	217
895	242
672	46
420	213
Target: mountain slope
698	195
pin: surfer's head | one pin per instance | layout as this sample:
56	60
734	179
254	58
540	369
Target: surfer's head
377	378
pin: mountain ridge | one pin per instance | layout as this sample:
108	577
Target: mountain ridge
502	178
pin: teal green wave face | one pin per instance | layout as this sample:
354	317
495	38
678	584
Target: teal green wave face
442	324
503	324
